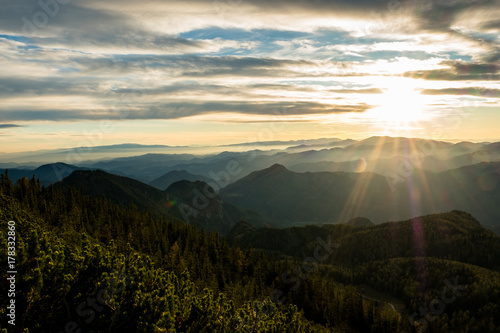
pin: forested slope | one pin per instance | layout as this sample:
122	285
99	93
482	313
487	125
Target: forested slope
87	263
99	267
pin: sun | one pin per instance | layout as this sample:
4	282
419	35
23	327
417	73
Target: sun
399	105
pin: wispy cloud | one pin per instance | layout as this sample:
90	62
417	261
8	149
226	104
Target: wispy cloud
472	91
460	71
3	126
185	109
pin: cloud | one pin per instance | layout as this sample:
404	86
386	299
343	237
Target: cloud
147	26
2	126
29	86
193	65
178	110
72	25
491	25
240	57
459	71
357	91
473	91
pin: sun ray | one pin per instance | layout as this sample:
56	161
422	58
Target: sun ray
357	196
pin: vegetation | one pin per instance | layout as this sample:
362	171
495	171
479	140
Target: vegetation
86	263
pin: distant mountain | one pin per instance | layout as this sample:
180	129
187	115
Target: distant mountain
198	203
193	202
176	175
216	167
51	173
145	167
473	188
380	166
466	147
322	144
381	154
118	189
387	143
324	197
15	174
486	153
322	141
11	165
240	229
324	166
87	152
47	173
291	198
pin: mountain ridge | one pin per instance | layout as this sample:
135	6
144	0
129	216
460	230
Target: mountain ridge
193	202
330	197
163	182
439	235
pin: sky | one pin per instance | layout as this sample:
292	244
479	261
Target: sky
83	73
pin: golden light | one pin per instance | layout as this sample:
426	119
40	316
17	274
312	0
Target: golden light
399	105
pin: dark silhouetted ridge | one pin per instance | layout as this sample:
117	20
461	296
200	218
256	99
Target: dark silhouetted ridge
360	222
171	177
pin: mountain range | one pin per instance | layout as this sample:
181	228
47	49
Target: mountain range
376	154
311	182
193	202
346	277
291	198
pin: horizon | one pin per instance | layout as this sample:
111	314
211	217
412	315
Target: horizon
253	145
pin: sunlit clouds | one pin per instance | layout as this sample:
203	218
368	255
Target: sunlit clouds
356	67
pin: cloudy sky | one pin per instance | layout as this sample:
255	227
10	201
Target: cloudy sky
80	73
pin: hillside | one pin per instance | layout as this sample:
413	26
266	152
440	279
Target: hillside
473	188
198	203
291	198
118	189
453	236
173	176
174	277
193	202
360	222
298	198
112	269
